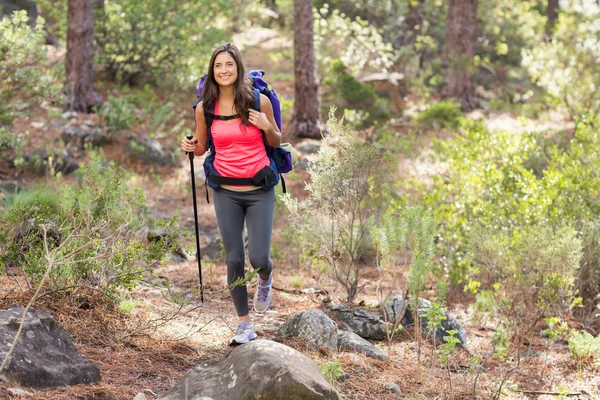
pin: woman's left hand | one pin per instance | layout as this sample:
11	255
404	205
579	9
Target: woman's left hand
259	120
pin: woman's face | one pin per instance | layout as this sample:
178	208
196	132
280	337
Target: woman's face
225	69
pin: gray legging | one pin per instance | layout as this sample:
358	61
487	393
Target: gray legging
257	208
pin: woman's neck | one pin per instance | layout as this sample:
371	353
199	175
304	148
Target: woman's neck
226	93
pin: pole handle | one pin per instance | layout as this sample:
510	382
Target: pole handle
191	153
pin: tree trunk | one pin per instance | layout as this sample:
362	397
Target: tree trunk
551	17
305	120
80	95
461	36
414	21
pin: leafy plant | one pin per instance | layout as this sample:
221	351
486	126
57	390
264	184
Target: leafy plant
157	41
446	114
347	178
584	347
117	114
25	76
91	238
347	92
332	370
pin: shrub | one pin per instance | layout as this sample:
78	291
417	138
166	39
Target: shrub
490	183
446	114
347	92
568	66
91	240
347	178
157	41
117	114
25	79
531	270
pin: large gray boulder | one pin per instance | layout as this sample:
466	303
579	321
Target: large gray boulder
351	341
261	369
314	326
365	323
44	355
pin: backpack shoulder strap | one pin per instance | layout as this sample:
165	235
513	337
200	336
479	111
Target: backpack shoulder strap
256	99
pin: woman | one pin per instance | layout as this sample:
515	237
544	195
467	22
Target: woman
240	153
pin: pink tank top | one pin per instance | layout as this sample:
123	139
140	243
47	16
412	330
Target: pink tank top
240	149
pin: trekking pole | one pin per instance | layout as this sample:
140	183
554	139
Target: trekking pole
198	255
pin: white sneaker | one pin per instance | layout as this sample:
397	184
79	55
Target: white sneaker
263	296
243	334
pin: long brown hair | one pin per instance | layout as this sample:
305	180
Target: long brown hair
243	94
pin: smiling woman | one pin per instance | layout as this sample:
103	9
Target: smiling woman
228	117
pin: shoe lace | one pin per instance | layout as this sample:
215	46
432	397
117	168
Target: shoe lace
263	292
242	326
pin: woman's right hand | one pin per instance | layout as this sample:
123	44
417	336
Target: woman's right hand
188	145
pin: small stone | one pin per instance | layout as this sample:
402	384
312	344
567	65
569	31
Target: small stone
30	334
140	396
354	358
392	387
16	392
37	125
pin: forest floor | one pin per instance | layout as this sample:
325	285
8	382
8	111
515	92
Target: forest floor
148	349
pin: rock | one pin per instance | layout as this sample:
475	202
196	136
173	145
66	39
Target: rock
364	323
314	326
44	356
309	146
354	358
392	387
149	151
261	369
302	164
394	305
140	396
62	161
16	392
351	341
82	136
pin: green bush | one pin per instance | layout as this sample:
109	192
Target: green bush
569	66
346	92
157	41
490	183
446	114
91	239
25	78
345	190
117	114
531	270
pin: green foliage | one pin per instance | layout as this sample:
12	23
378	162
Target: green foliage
556	328
332	370
25	78
450	342
158	41
532	270
347	179
11	145
446	114
41	196
117	114
584	347
422	228
297	281
569	66
353	41
91	238
347	92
